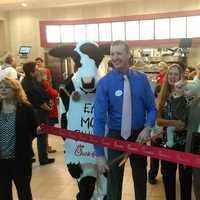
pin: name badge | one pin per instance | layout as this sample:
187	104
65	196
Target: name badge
118	93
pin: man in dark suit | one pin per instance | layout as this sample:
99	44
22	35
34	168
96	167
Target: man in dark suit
39	99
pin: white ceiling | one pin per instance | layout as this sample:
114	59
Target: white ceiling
35	4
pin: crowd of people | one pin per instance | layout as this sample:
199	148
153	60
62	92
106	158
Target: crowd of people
126	108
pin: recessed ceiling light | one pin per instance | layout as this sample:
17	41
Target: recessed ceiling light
24	4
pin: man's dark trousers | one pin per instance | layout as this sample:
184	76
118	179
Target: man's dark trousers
115	174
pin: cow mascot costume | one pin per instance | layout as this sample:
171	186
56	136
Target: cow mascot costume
77	107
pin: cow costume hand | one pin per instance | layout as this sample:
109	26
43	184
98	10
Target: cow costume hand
76	96
102	165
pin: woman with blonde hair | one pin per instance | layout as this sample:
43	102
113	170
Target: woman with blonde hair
17	129
168	105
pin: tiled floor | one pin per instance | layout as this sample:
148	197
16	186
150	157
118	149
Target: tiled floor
52	182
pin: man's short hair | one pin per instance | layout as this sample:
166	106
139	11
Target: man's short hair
29	67
121	42
39	59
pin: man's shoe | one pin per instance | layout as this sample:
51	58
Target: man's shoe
152	181
50	150
48	161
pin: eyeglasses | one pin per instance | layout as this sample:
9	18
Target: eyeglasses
5	87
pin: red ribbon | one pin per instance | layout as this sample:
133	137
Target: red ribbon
184	158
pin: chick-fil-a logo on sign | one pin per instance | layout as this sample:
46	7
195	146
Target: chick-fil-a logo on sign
79	151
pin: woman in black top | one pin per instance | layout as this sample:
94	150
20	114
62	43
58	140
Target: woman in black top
17	129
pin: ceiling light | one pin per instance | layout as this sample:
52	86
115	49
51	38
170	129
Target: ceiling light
24	4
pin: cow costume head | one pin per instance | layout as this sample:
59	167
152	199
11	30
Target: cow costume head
87	57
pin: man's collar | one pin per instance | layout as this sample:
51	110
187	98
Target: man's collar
120	74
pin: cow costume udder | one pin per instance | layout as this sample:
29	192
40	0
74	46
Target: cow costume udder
77	108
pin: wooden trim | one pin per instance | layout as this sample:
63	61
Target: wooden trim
137	43
43	38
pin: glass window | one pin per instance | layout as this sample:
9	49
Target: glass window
105	32
53	33
92	32
152	29
80	32
193	23
67	33
178	27
118	31
132	30
161	28
146	29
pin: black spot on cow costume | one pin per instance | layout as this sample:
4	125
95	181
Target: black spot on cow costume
77	107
